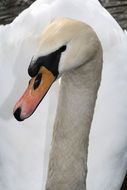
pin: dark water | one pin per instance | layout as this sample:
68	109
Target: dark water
118	9
9	9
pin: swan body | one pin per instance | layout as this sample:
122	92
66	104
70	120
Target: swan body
24	150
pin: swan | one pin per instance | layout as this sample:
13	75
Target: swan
71	49
25	150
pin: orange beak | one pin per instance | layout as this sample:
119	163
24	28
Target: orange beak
33	95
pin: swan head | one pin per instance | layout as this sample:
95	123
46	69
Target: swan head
64	45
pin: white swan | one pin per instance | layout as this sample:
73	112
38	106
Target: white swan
19	39
69	48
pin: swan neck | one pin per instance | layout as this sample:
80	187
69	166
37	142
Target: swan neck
76	103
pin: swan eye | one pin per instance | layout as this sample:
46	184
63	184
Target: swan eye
37	81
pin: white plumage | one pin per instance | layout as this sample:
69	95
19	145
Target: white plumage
24	147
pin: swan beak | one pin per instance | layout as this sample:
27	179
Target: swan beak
37	88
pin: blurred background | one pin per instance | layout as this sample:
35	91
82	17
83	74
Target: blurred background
9	9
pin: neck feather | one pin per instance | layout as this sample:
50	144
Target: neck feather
68	157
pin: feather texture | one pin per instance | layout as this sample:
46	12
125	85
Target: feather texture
25	146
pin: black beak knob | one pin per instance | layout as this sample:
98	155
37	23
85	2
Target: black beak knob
33	70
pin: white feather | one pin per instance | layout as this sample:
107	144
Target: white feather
24	147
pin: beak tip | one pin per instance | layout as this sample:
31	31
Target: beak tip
17	114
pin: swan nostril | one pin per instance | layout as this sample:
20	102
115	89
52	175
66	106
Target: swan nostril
37	81
17	114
